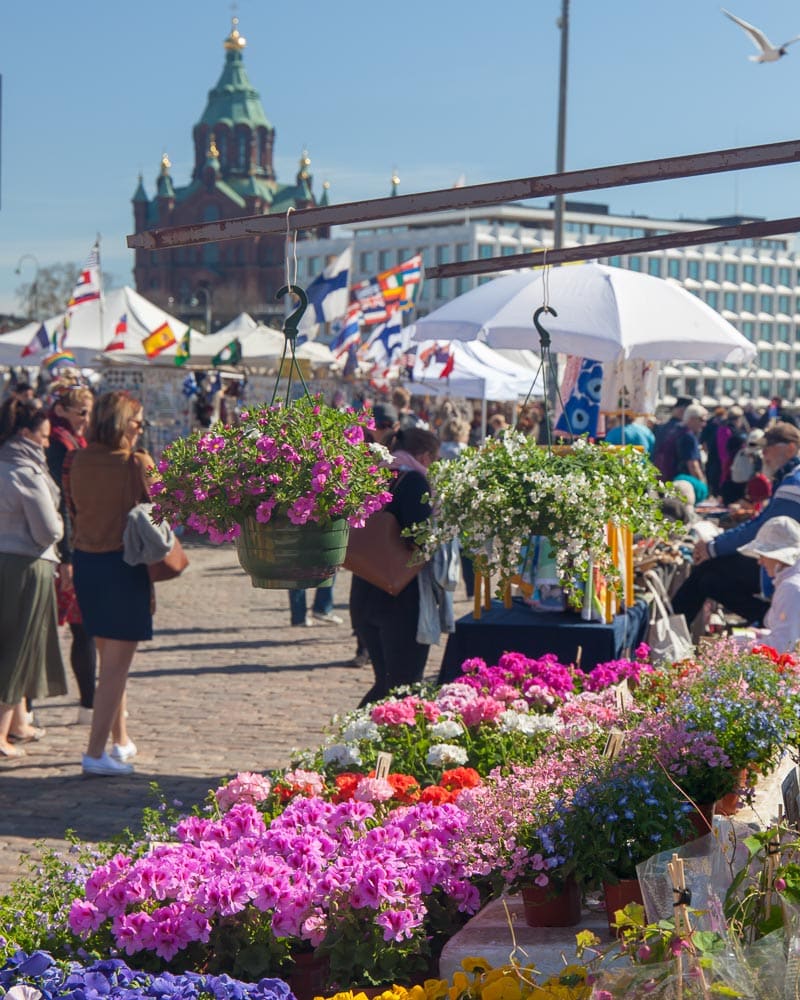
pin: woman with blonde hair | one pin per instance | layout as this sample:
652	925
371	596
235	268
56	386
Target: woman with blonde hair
69	418
104	481
30	525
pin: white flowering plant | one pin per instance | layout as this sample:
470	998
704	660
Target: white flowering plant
494	498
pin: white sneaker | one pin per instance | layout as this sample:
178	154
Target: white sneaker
104	765
84	716
124	752
328	617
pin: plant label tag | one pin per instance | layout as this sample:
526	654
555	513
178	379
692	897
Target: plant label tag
613	744
623	695
383	765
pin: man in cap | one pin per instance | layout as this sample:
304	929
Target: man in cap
777	548
720	571
387	422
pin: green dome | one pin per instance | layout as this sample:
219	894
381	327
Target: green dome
234	101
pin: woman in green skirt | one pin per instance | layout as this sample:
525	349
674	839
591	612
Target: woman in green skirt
30	524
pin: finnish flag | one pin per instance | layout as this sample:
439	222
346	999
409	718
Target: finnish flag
328	294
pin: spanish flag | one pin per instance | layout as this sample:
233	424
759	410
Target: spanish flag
159	340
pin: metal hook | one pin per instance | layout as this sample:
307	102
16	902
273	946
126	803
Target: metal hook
544	336
292	321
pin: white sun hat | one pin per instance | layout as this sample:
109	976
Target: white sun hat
778	538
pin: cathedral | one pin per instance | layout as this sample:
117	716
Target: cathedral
233	176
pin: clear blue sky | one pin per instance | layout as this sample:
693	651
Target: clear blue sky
94	93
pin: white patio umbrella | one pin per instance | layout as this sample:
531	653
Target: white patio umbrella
604	313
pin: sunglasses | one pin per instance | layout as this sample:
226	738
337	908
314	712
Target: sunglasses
81	413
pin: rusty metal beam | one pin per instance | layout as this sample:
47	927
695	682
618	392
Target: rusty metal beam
473	196
593	251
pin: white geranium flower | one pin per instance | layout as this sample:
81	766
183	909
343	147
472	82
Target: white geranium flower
342	754
446	754
360	729
447	729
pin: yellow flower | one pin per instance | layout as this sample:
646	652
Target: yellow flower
504	987
472	964
460	986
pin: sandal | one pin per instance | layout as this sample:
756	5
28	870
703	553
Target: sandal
12	752
33	735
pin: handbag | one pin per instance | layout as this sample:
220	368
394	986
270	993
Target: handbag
379	554
668	635
172	565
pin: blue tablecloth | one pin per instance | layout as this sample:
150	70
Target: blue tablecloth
519	629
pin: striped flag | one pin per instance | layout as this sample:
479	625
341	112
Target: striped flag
373	305
62	359
159	340
386	342
87	287
39	342
350	333
117	342
399	285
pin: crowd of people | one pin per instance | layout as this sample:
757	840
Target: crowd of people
71	469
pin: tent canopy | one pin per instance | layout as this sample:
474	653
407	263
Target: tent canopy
478	373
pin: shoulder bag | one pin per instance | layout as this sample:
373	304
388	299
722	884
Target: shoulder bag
379	554
668	635
176	560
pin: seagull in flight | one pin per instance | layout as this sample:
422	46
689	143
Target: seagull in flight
767	52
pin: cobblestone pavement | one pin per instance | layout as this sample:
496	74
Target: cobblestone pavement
225	685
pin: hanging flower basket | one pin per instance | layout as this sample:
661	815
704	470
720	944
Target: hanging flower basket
280	555
285	484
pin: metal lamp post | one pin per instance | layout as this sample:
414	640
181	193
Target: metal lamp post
558	215
201	289
34	301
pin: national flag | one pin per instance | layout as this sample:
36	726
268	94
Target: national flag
159	340
117	342
351	365
184	351
437	360
62	359
60	334
231	354
39	342
349	334
373	305
399	285
327	293
214	385
386	342
87	287
445	356
189	388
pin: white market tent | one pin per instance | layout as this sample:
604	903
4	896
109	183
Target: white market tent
260	344
92	329
478	373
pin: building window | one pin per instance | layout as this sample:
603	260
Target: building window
462	251
674	267
749	329
784	303
312	266
765	332
766	274
765	359
764	388
403	255
211	250
783	333
712	298
712	270
485	250
784	276
366	261
443	288
693	269
614	261
730	272
508	251
783	388
748	302
654	266
749	274
462	285
728	386
730	301
242	150
747	386
634	263
443	254
691	386
384	260
783	360
766	303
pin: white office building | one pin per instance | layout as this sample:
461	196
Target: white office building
753	284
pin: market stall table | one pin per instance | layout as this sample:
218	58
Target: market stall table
520	629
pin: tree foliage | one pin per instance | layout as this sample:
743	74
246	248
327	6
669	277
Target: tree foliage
48	293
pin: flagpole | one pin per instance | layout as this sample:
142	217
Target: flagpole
100	287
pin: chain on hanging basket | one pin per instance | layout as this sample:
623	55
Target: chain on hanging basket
285	483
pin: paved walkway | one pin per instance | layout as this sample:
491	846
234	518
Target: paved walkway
225	685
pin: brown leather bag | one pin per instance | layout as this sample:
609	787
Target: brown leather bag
172	565
379	554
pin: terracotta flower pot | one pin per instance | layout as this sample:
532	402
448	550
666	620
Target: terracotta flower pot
627	890
280	555
551	905
730	804
702	818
